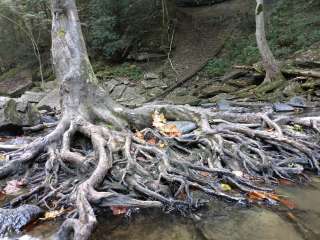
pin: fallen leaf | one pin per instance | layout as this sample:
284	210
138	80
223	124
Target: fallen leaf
139	135
2	157
292	217
52	214
162	145
259	196
158	119
204	174
288	203
285	182
160	122
119	210
225	187
13	187
152	141
170	130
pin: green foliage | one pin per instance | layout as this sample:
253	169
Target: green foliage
22	22
292	26
114	26
127	70
216	68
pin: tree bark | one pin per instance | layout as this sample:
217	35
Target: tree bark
269	62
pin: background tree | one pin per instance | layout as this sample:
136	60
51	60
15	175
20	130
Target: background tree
270	65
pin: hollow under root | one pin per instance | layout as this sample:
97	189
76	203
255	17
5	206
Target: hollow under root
123	169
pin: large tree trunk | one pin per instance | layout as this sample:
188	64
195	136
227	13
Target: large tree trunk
269	62
125	169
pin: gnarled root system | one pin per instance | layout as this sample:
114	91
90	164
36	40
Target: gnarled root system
119	168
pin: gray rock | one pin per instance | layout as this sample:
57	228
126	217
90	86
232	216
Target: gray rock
297	102
184	126
111	84
282	107
223	105
180	100
215	89
118	91
132	97
51	85
10	115
16	85
150	75
32	97
29	97
153	84
50	102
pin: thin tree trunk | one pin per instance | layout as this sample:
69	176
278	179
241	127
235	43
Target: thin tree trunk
269	62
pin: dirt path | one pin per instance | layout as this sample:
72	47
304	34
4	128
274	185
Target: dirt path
201	33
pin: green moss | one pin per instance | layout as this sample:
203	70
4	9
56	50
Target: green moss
61	33
11	73
216	68
259	9
127	70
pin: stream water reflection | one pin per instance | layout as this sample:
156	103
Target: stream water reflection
220	221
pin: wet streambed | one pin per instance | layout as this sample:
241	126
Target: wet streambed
220	220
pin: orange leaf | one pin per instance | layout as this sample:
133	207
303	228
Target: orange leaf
288	203
152	141
170	130
292	217
285	182
119	210
204	174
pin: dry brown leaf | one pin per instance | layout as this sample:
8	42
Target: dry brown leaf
259	196
162	145
288	203
292	217
158	119
152	141
139	135
119	210
160	122
53	214
170	130
285	182
204	174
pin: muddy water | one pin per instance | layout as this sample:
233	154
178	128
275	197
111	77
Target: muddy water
220	221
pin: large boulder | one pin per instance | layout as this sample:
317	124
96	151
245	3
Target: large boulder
10	115
51	102
15	84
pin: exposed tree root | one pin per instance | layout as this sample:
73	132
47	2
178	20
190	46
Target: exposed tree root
124	170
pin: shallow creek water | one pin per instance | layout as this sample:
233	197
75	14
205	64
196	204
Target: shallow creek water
219	221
